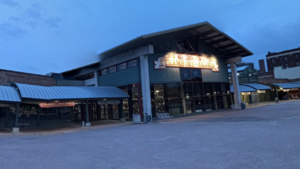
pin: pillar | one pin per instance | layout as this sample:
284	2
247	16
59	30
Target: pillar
87	120
121	112
236	89
96	75
183	99
16	128
145	86
235	81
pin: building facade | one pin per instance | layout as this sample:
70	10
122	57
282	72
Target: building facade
178	71
285	59
8	76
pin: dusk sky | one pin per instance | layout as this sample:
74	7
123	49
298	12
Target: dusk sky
42	36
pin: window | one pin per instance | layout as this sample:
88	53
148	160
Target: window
296	57
281	59
132	63
273	61
122	66
285	58
298	63
104	72
112	69
86	76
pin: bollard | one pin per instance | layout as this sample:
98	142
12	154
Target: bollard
83	124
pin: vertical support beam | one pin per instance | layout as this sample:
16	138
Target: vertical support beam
87	120
17	115
121	111
96	75
235	84
183	98
145	87
16	126
38	120
139	100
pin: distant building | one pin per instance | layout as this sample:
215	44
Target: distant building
245	72
285	59
8	76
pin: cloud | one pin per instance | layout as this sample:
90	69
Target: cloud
8	30
53	22
31	24
10	3
14	19
33	13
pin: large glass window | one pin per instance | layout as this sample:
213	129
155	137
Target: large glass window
122	66
132	63
196	75
185	74
208	89
173	90
198	89
104	72
112	69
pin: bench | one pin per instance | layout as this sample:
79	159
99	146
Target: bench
23	125
164	116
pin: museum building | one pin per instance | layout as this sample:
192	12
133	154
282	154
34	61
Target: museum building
178	71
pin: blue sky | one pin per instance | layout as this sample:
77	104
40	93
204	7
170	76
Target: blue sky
42	36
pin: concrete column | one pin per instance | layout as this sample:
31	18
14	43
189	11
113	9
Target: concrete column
87	121
16	128
235	84
121	112
96	75
145	86
183	98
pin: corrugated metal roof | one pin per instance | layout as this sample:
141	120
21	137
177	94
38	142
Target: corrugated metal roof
69	92
9	94
238	69
287	85
212	36
243	89
258	86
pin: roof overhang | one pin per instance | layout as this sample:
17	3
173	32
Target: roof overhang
207	32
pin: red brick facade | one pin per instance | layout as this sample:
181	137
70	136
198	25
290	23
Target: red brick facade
7	76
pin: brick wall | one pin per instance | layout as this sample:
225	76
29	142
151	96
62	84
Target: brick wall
19	77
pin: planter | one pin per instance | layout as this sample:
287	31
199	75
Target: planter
136	118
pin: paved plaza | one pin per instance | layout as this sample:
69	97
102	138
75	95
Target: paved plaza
259	137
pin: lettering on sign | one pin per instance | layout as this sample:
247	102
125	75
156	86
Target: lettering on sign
57	104
188	61
108	102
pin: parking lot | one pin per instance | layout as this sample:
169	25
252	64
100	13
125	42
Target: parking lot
259	137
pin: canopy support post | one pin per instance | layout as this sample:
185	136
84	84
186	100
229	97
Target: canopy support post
87	121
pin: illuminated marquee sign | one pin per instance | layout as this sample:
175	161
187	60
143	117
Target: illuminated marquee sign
188	61
57	104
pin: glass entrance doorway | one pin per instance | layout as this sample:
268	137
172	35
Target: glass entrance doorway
109	112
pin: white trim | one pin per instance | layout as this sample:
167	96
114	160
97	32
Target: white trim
283	54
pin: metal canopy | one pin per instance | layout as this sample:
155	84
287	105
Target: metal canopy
69	92
287	85
258	86
9	94
207	32
243	89
238	69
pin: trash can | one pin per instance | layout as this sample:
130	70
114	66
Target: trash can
276	100
148	118
243	105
